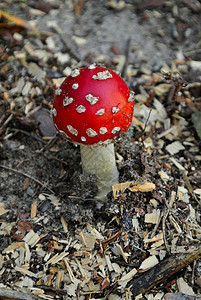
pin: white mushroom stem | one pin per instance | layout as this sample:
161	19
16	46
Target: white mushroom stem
100	160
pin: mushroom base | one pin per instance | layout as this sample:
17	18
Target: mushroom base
100	160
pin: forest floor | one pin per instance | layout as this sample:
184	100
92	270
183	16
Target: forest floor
144	242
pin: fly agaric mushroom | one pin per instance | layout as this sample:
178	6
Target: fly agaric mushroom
91	107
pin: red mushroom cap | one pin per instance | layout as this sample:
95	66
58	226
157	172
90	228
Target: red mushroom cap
92	105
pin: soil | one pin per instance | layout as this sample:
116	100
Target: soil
137	39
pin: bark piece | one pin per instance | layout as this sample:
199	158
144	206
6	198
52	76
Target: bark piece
162	272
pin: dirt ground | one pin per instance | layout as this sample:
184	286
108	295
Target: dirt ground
155	45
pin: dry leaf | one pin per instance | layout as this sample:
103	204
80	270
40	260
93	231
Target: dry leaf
120	187
131	185
145	187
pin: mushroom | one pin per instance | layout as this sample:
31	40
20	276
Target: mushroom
91	107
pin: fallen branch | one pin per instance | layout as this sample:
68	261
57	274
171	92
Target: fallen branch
179	296
15	295
162	272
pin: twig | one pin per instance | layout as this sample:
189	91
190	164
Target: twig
78	5
49	157
26	175
128	42
189	187
156	226
49	143
15	295
147	120
161	272
163	228
28	134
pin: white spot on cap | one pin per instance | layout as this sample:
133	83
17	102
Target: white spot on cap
75	86
53	112
64	134
131	97
115	110
91	99
92	66
102	75
100	112
103	130
72	130
67	101
83	139
115	130
75	73
90	132
80	109
58	91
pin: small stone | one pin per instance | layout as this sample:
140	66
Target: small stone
30	192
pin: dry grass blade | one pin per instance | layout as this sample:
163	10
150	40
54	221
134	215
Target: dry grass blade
78	4
14	20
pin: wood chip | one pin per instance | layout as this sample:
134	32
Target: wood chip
36	71
2	209
131	185
31	238
184	287
126	278
33	210
174	147
153	217
148	263
64	224
145	187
